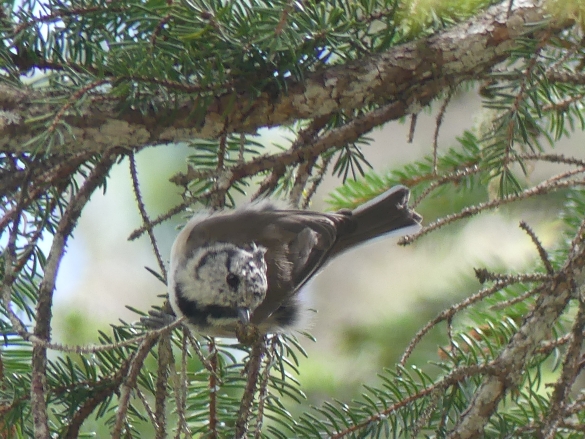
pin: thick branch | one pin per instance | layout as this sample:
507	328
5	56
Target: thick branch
411	74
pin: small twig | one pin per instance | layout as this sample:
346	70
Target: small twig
180	387
515	107
519	299
539	189
73	99
270	182
159	28
204	361
213	388
223	176
283	17
548	345
92	349
541	251
253	369
438	123
453	378
448	314
577	240
145	219
413	120
150	413
451	177
317	180
165	358
242	148
43	312
130	382
303	174
160	219
263	386
221	153
9	275
578	404
569	372
449	322
483	276
553	158
565	175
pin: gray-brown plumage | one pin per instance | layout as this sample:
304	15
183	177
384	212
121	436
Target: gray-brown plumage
229	266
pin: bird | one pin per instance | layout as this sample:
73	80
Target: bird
245	267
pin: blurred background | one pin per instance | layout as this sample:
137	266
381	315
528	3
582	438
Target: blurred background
370	302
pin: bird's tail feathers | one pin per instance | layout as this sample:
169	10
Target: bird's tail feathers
387	214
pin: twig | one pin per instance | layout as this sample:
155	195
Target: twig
539	189
149	412
165	358
453	176
221	153
570	370
130	382
515	107
145	219
44	306
553	158
263	386
253	369
453	378
213	388
541	251
204	361
270	182
92	349
412	128
303	174
73	99
317	180
438	123
159	28
484	276
449	313
180	387
511	362
158	220
242	148
519	299
222	181
9	275
283	17
87	408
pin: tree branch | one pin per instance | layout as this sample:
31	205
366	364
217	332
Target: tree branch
411	74
507	370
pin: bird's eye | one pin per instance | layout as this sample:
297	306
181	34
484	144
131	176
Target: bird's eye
233	281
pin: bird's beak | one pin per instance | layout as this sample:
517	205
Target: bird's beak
244	315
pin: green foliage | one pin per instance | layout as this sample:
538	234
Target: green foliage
164	51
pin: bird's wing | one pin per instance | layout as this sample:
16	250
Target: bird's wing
297	244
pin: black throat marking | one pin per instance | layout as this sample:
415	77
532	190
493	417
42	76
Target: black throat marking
199	315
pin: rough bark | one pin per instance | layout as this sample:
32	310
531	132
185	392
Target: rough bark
411	74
